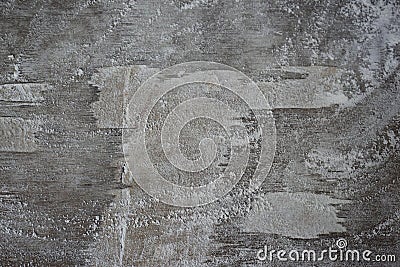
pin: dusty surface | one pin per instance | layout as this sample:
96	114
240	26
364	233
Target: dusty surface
329	69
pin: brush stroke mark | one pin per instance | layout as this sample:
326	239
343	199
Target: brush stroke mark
116	85
303	215
305	87
296	87
22	94
300	87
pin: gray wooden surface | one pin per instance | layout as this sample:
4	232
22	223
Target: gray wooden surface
330	70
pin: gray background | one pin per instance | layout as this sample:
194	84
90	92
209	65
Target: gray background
332	68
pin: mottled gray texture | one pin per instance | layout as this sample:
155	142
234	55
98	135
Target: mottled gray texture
17	135
330	70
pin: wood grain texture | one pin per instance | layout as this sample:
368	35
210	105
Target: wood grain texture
67	198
